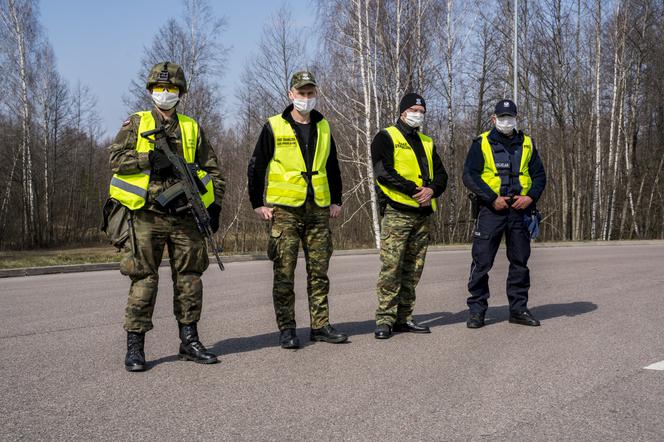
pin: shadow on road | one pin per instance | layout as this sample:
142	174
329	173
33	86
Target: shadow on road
494	315
164	359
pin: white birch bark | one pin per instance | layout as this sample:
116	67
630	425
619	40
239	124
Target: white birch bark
615	125
608	226
396	94
597	180
5	200
449	62
577	155
16	19
365	76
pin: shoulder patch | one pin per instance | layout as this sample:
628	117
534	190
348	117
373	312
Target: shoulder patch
126	122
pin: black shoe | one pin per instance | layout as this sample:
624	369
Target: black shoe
135	359
191	348
524	318
328	334
288	338
411	327
475	320
383	331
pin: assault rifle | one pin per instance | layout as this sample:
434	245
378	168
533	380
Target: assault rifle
190	186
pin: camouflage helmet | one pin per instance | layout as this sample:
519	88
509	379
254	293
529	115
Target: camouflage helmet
167	72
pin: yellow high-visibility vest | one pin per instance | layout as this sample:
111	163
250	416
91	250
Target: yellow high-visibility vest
132	189
506	177
406	165
287	172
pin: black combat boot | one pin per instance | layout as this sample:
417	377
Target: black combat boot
135	359
191	348
288	338
328	334
383	331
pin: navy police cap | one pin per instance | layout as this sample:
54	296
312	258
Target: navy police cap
505	107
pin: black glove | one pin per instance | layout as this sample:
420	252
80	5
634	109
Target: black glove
159	162
214	211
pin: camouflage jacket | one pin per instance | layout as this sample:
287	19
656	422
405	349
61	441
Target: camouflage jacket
124	158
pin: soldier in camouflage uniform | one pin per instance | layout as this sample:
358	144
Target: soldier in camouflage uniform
409	177
141	175
297	153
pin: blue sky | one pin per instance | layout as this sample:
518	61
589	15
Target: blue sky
100	43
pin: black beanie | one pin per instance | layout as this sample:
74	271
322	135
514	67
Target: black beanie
411	99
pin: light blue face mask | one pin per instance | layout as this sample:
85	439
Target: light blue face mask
304	105
506	124
414	119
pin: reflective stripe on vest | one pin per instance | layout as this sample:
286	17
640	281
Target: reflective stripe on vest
287	171
132	189
500	168
406	165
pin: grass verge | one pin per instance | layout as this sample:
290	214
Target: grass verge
43	258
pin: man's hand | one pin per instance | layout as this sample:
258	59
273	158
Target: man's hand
159	162
521	202
423	196
264	213
335	210
501	203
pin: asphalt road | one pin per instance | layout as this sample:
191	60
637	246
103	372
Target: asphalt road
580	376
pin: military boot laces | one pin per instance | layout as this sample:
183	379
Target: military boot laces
135	359
191	348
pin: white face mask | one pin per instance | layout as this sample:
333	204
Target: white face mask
303	105
506	124
414	119
165	100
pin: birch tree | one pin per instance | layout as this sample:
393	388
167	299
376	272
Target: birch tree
192	41
597	182
281	52
19	35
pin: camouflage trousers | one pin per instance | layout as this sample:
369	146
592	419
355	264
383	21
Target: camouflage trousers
188	257
403	248
290	225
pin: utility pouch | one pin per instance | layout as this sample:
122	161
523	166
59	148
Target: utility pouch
532	222
174	198
116	222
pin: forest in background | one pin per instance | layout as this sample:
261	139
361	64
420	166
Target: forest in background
590	93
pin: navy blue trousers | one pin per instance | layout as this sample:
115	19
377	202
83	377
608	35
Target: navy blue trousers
489	230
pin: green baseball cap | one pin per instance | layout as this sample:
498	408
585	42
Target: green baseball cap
301	79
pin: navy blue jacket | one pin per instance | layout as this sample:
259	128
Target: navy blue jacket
474	165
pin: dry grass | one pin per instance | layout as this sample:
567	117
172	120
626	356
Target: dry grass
49	257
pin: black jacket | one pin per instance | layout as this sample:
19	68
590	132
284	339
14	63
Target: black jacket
382	153
264	152
472	169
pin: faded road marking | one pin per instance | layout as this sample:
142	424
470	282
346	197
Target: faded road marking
656	366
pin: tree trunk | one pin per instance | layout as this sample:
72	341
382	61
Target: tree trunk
597	182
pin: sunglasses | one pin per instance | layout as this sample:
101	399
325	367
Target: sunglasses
165	88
